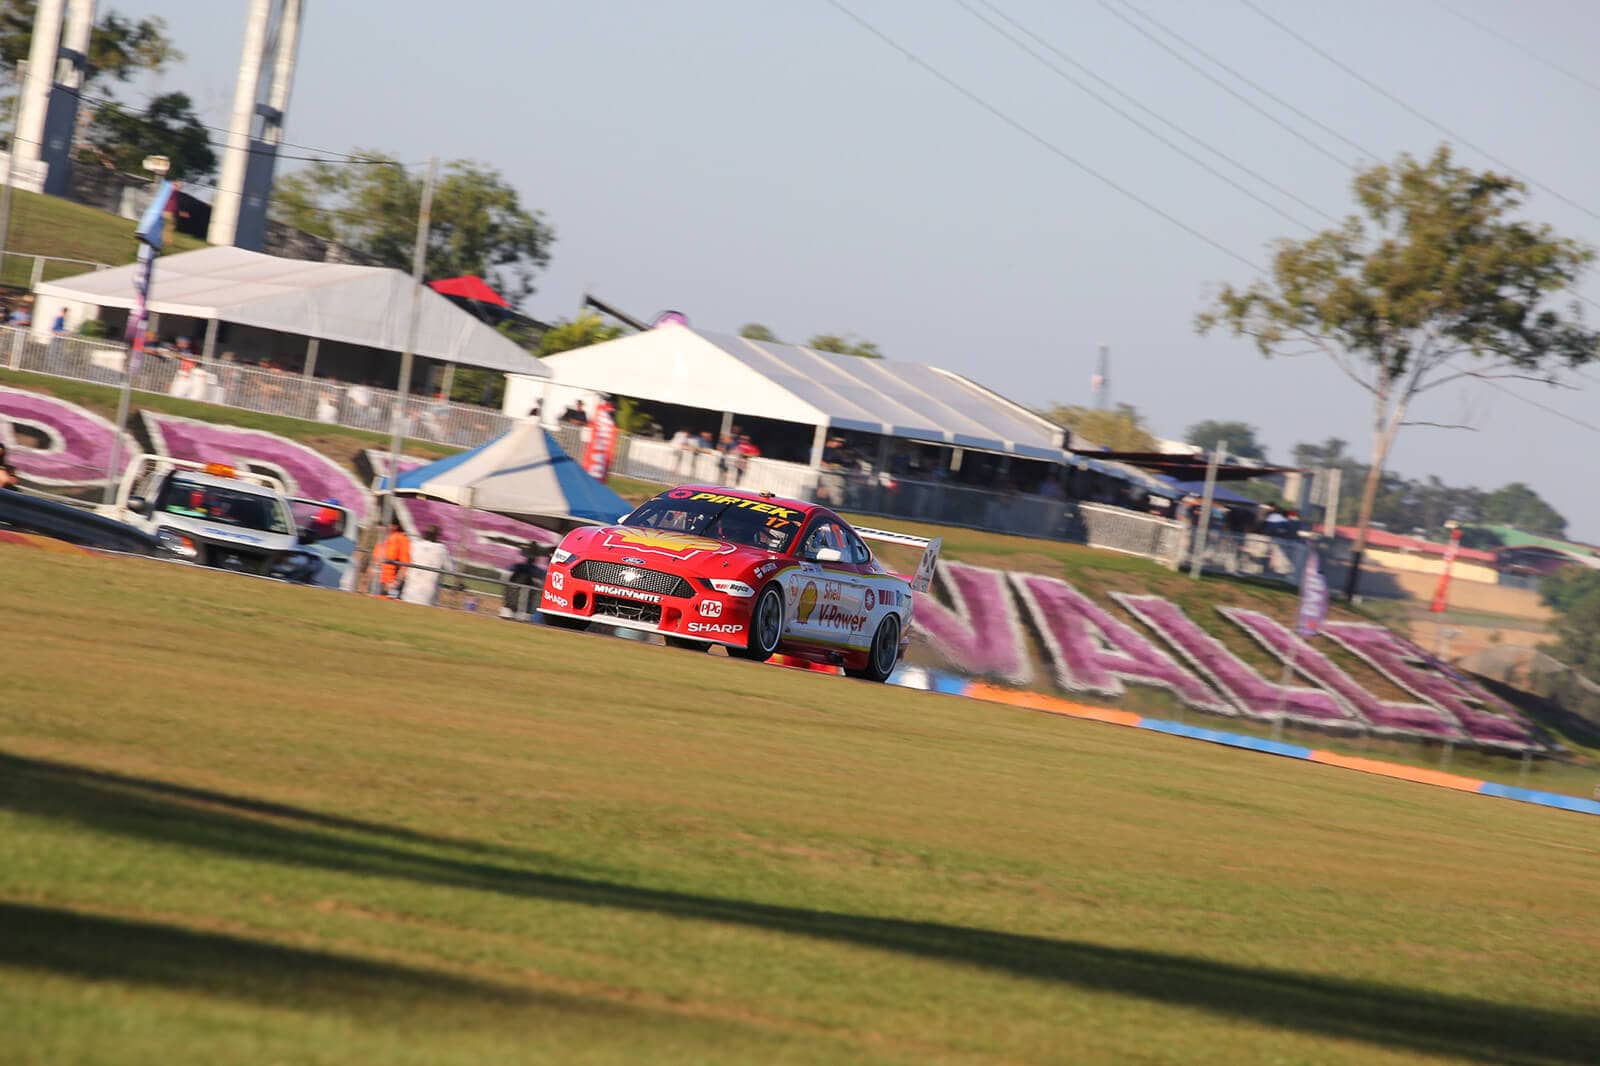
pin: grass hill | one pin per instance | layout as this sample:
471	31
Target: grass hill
251	822
48	225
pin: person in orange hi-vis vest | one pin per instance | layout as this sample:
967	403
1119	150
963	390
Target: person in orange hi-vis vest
394	553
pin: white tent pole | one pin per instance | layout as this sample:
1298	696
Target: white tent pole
311	356
397	420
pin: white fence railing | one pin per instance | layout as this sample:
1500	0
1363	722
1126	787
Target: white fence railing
252	389
1254	555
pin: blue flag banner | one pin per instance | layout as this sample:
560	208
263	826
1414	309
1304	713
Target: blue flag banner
153	224
1313	595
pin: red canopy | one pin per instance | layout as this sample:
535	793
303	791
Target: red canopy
469	287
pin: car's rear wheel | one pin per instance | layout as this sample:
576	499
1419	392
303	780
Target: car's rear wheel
685	644
884	653
766	626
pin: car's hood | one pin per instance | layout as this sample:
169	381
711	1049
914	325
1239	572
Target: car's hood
660	549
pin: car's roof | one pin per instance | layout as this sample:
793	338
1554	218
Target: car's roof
195	477
743	494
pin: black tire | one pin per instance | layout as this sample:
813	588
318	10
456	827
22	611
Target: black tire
766	627
685	644
561	621
884	653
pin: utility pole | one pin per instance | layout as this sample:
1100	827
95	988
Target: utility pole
397	428
1100	381
11	155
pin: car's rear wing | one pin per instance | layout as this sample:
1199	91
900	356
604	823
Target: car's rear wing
922	580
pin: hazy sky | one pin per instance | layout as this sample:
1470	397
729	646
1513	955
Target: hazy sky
777	162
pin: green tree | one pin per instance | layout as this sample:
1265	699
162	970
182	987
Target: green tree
1121	429
1518	505
169	126
119	47
479	224
1573	592
579	332
844	344
1241	438
1432	282
757	332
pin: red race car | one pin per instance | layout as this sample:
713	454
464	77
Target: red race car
704	565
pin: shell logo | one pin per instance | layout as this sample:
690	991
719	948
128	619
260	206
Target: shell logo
808	601
662	540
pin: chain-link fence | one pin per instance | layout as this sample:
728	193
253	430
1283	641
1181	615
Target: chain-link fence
1253	555
1118	529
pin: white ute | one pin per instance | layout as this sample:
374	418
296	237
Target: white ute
214	515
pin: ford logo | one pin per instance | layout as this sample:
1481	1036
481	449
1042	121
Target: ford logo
631	559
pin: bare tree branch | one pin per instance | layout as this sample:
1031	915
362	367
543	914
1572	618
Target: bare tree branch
1441	425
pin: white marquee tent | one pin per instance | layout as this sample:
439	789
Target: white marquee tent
674	364
339	302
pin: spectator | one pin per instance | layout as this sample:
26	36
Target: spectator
1275	524
393	556
8	475
528	574
833	454
743	451
422	586
683	450
58	326
327	408
21	316
574	415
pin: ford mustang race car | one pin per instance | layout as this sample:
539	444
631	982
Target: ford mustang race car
705	565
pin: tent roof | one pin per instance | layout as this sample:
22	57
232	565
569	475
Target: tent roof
678	365
1183	467
369	306
468	287
523	473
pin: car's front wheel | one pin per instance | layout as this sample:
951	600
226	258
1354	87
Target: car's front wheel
766	626
884	653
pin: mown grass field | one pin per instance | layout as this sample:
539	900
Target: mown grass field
47	225
246	822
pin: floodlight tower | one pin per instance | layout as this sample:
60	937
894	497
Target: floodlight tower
47	109
260	103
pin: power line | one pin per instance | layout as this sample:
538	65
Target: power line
342	158
1064	75
1544	407
1397	101
1231	91
1037	138
1519	46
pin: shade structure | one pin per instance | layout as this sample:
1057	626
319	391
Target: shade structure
367	306
522	474
468	287
678	365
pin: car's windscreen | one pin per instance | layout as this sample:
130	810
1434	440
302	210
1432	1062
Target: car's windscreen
217	504
756	523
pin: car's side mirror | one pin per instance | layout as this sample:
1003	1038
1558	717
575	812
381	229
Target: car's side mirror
138	505
829	555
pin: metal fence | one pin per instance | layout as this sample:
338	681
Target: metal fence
1253	555
43	267
252	389
1122	530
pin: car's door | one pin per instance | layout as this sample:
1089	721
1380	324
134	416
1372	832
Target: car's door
827	605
